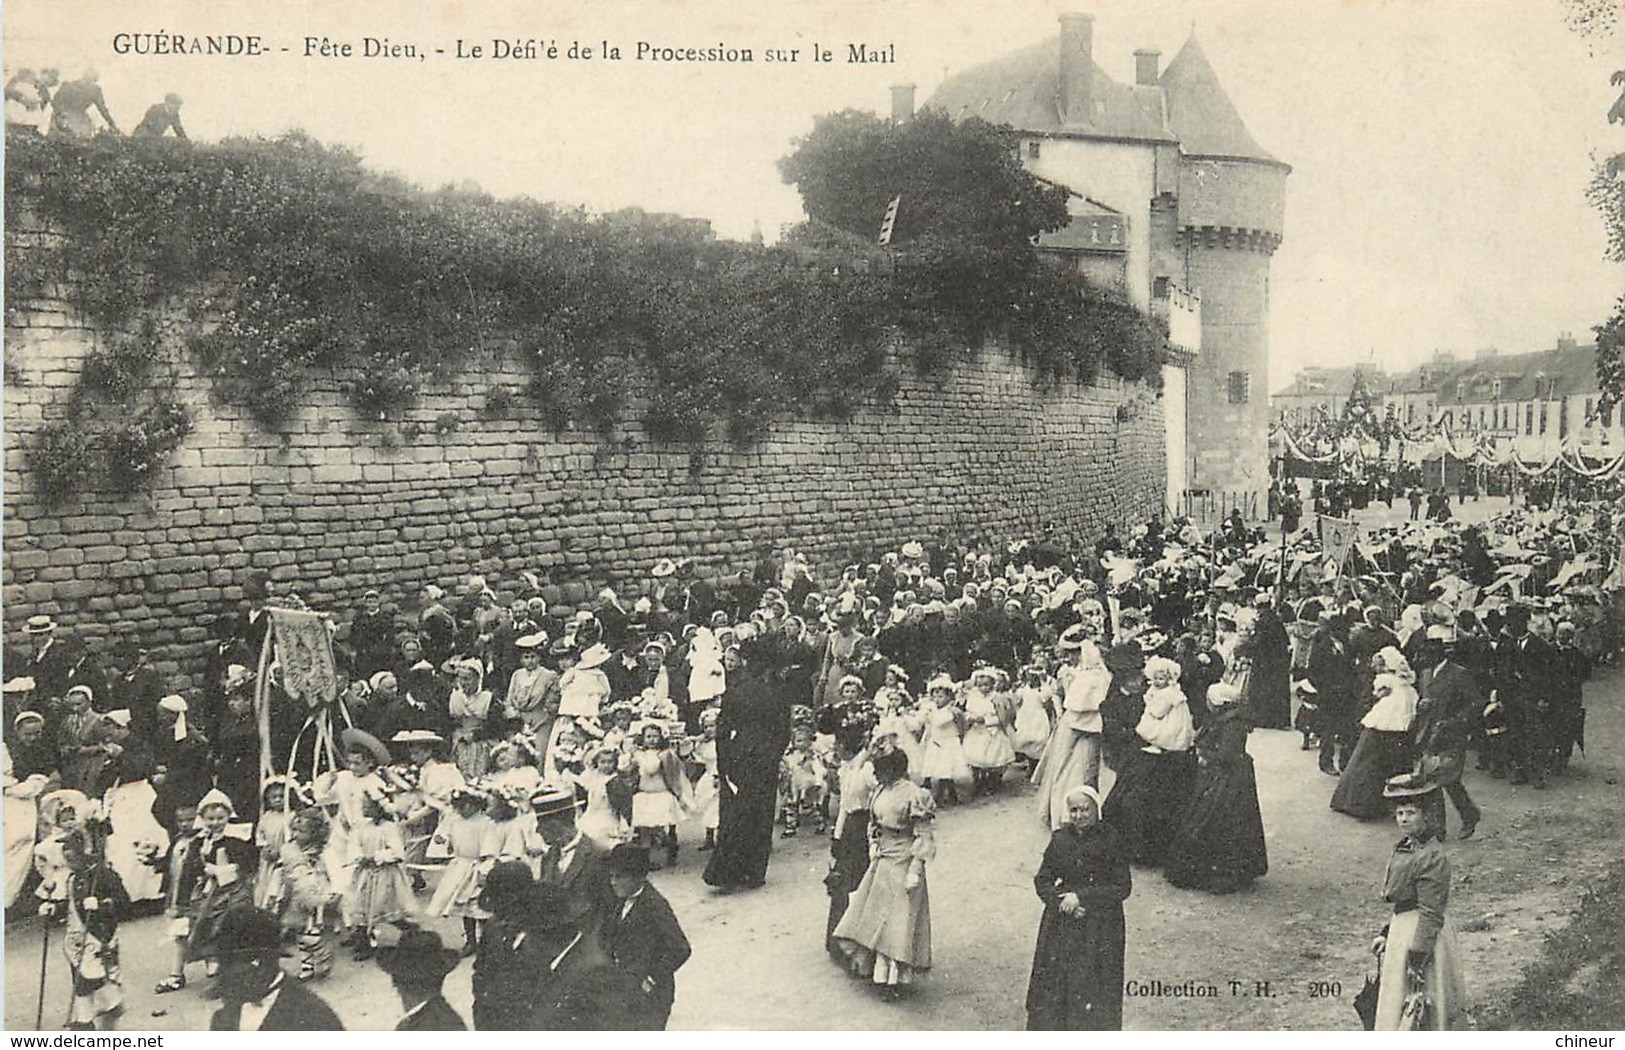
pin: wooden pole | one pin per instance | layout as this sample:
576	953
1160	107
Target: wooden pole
262	711
44	960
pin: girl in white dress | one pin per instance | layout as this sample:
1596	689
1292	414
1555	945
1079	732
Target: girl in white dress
599	822
898	717
1034	701
658	804
1166	722
943	762
987	735
467	836
707	789
515	772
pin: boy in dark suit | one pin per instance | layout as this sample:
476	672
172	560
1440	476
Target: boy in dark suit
644	938
256	995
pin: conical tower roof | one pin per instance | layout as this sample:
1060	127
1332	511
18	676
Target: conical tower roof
1201	114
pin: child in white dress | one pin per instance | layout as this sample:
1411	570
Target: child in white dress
600	822
987	737
1166	724
943	762
380	890
467	837
1034	702
707	788
658	804
803	782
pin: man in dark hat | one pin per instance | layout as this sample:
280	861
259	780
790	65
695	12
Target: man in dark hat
371	636
1524	664
572	864
644	938
1449	705
1330	671
49	661
135	684
255	994
417	964
251	623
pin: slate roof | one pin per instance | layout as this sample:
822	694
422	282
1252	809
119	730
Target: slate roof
1188	105
1022	90
1201	114
1563	371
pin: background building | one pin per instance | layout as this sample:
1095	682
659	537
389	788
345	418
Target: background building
1173	200
1530	403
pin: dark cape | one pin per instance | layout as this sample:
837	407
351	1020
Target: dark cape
1378	756
1218	844
1269	697
1145	804
753	729
1077	978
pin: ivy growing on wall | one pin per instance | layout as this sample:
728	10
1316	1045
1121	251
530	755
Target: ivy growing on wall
123	421
295	258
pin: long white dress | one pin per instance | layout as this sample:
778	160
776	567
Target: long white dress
944	752
135	833
21	824
1032	721
1072	758
987	741
599	821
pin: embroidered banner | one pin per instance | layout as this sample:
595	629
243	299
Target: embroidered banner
1337	536
304	652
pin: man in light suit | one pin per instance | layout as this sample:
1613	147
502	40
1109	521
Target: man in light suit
644	938
256	994
1450	701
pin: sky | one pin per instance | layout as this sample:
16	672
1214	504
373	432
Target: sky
1440	148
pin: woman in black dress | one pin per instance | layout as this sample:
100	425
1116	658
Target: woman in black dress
753	729
1218	845
1077	978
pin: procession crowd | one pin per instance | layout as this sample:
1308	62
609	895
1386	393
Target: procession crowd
522	767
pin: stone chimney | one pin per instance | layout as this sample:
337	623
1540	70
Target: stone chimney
902	102
1145	66
1077	68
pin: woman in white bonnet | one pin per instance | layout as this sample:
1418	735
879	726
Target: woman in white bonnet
1384	747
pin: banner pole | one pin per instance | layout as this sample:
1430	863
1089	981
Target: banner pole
262	709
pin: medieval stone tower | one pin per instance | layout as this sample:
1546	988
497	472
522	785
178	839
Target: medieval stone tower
1171	198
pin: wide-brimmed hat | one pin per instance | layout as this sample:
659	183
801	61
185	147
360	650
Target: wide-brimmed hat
1408	785
595	656
530	641
354	739
627	859
1071	638
663	568
417	736
414	956
20	684
39	624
